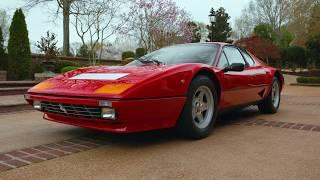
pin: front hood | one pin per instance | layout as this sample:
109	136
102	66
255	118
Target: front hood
86	81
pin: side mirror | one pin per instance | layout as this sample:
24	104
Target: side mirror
238	67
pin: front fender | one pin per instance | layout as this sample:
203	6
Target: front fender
171	83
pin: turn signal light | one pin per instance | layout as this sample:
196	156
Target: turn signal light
43	85
113	88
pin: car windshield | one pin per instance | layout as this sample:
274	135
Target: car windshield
189	53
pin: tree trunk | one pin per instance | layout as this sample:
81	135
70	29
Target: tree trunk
66	22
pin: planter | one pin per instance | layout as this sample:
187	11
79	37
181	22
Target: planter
3	75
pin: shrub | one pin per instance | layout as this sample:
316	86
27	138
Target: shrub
309	80
69	68
294	56
313	46
140	52
3	55
19	54
127	54
61	64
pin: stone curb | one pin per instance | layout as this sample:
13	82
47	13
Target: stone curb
14	108
303	84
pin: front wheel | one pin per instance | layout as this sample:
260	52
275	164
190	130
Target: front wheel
200	110
271	103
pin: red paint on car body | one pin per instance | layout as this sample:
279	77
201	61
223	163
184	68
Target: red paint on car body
157	96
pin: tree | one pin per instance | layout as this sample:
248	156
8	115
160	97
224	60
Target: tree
245	24
3	59
83	51
265	31
285	39
159	23
304	20
4	23
221	28
272	12
314	21
98	20
294	57
48	45
276	13
196	31
67	10
19	54
313	47
260	47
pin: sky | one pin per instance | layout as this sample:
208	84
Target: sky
39	21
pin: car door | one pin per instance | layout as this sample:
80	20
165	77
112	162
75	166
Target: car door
236	88
258	73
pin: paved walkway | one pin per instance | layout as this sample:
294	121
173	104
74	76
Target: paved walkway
290	79
12	100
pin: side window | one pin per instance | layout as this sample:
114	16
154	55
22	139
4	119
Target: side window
233	55
248	58
223	62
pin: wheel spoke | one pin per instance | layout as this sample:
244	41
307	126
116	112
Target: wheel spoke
275	95
200	117
201	95
204	107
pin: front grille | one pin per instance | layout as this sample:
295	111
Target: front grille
72	109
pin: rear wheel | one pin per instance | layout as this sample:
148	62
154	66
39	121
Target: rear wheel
270	104
199	113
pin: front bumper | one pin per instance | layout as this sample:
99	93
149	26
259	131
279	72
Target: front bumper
133	115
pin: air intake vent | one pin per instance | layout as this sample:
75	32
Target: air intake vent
72	110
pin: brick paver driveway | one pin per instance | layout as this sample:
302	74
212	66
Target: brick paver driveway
244	145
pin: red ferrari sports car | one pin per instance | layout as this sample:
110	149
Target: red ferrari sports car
182	86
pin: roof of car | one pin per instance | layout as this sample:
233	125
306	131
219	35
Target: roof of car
218	43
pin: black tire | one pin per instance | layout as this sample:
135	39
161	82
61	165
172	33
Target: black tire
186	125
267	106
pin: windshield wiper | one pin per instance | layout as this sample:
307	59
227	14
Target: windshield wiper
150	60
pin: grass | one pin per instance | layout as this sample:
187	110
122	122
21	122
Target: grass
69	68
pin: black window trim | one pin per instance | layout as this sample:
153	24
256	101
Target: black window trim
245	51
233	46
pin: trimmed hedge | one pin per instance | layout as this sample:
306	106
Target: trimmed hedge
309	80
128	54
61	64
69	68
140	52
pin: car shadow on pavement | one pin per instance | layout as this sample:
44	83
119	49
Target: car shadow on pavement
137	140
237	116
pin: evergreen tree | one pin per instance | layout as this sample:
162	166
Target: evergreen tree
83	51
3	59
221	28
19	64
